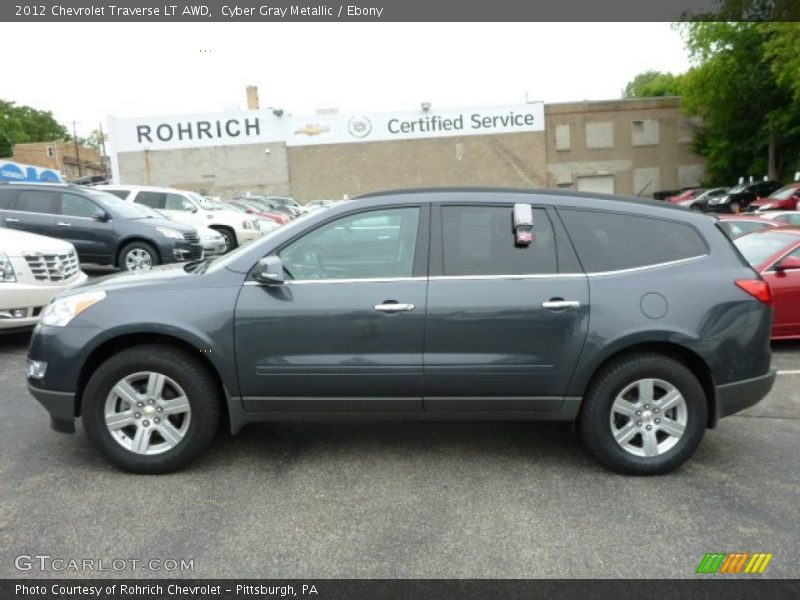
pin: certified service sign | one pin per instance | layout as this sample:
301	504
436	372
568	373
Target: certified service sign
409	125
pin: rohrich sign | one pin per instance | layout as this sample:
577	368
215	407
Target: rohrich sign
263	126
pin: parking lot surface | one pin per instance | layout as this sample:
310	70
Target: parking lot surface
400	499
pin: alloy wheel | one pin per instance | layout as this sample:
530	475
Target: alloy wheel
147	413
648	417
138	259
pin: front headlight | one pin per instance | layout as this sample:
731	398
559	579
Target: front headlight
170	233
6	268
62	310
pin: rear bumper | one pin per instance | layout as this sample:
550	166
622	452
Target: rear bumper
735	397
60	405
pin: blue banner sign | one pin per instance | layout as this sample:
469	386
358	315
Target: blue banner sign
11	171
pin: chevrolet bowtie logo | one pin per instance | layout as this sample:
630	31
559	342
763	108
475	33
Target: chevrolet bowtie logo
314	129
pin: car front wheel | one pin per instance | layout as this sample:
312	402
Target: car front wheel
644	414
151	409
138	256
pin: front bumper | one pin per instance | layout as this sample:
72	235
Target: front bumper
247	235
60	405
732	398
181	251
31	299
213	247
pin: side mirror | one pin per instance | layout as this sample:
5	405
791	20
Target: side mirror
101	216
269	270
789	263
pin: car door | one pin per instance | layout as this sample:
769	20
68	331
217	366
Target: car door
506	323
33	211
785	288
77	221
345	332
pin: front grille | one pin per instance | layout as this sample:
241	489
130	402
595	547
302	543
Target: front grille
191	237
53	267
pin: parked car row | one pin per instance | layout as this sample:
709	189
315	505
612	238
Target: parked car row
754	196
46	231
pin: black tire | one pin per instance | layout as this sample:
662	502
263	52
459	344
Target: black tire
154	259
696	207
595	426
188	372
230	238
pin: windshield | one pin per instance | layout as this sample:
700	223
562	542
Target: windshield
739	188
285	201
202	202
117	206
757	248
152	213
223	261
786	192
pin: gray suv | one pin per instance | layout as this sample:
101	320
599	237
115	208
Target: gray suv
638	321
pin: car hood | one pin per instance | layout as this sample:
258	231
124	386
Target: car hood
16	243
136	279
182	227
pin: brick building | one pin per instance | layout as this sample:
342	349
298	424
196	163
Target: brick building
629	147
60	155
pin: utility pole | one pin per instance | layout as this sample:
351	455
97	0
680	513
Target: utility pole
103	149
77	152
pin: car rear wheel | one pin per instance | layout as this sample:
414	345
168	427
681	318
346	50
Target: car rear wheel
151	409
138	256
644	414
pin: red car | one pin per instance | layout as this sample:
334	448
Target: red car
775	254
736	226
785	198
257	210
689	194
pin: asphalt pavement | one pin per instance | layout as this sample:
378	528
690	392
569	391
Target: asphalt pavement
398	499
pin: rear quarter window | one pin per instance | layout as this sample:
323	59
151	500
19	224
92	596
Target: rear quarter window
608	241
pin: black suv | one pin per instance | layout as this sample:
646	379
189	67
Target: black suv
639	321
739	197
104	229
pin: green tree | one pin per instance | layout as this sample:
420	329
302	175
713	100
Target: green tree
23	124
751	119
653	83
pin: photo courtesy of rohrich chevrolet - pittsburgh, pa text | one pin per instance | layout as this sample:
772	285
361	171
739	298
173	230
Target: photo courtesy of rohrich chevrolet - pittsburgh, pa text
399	299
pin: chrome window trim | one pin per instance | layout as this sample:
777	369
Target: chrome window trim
647	267
486	277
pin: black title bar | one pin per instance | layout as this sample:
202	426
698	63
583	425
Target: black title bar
395	10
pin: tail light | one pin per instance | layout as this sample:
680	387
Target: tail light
757	288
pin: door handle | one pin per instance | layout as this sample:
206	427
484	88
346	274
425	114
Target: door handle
393	307
62	224
11	220
560	304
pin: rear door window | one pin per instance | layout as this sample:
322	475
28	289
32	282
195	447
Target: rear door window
608	241
479	240
36	201
6	196
152	199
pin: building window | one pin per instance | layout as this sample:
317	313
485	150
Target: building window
600	135
563	141
644	132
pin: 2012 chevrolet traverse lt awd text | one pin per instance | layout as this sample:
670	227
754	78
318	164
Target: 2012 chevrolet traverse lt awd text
637	320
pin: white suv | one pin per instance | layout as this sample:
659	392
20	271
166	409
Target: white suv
33	269
190	208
